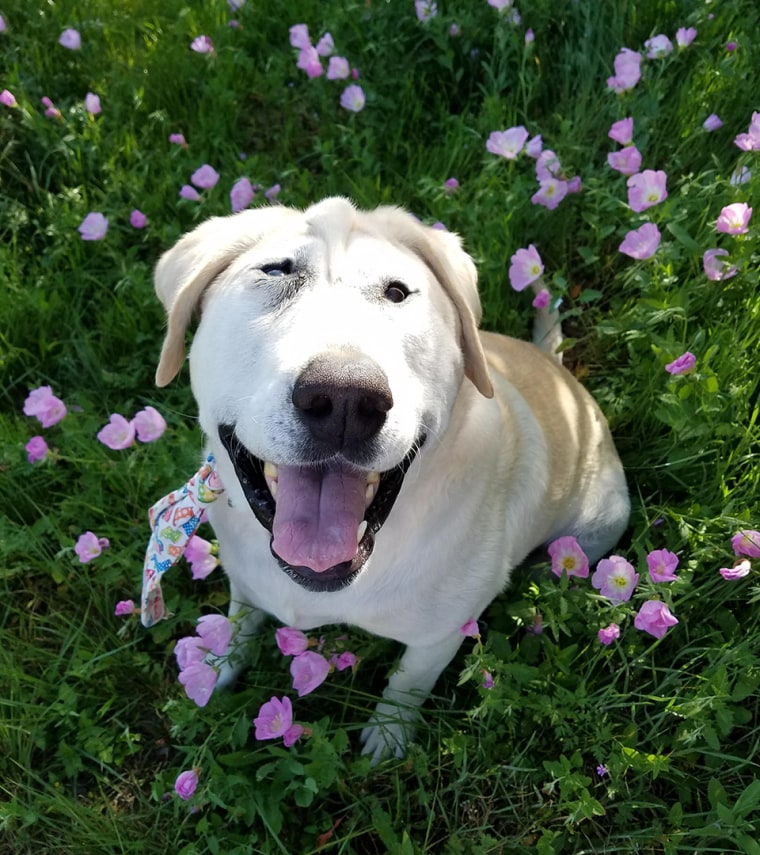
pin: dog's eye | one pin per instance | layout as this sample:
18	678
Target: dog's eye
396	292
278	268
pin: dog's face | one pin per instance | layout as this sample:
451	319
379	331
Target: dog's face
331	346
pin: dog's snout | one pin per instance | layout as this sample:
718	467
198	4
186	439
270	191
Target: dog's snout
342	399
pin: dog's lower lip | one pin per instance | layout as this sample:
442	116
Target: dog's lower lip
257	478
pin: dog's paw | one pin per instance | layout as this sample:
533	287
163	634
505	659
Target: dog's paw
389	732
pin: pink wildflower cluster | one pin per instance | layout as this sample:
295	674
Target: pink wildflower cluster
310	58
616	580
212	639
147	425
553	183
746	545
309	669
89	546
627	63
732	220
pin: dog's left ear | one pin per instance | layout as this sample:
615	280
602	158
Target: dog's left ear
455	270
191	265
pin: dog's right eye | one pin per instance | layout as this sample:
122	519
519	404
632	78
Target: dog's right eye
278	268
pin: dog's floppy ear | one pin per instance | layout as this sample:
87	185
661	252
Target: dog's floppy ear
454	269
185	271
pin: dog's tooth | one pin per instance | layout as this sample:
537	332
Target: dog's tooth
272	488
361	530
270	471
373	478
369	495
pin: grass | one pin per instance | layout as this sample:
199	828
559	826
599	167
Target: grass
94	725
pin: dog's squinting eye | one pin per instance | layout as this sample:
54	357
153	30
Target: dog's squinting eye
278	268
396	292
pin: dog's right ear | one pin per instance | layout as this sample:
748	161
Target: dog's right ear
185	271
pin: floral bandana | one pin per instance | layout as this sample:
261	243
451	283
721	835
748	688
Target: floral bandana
174	520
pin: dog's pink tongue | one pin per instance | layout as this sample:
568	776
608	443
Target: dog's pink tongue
317	516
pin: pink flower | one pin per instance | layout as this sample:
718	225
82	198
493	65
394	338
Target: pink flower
683	365
124	607
655	618
615	578
451	185
685	36
189	651
89	546
751	140
646	188
241	195
275	720
530	36
608	634
202	44
344	660
337	68
746	542
70	39
541	300
188	192
92	103
178	139
425	9
470	628
507	143
716	269
118	434
622	131
567	556
627	160
93	227
534	146
273	192
309	670
326	45
741	175
198	553
44	405
662	565
525	267
487	680
712	122
353	98
734	219
186	784
137	219
550	193
547	166
36	449
205	177
2	24
292	642
308	61
731	46
299	36
574	185
51	111
658	47
216	632
8	98
641	243
627	71
738	571
500	4
199	680
149	424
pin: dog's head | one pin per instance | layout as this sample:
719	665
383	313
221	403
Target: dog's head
332	343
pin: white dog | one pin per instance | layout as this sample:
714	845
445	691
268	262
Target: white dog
386	465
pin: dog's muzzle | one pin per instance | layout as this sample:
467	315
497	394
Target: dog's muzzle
327	515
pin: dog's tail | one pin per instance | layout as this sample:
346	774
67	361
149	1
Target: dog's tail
547	329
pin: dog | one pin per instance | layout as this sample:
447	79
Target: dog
386	464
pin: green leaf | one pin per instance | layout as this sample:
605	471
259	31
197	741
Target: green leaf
683	237
748	800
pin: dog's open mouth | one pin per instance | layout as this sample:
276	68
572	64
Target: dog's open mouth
323	519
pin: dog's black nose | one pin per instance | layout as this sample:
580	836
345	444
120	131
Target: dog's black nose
342	399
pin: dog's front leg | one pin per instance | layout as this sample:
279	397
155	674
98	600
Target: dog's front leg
246	621
393	724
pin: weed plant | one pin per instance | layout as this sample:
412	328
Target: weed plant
539	738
